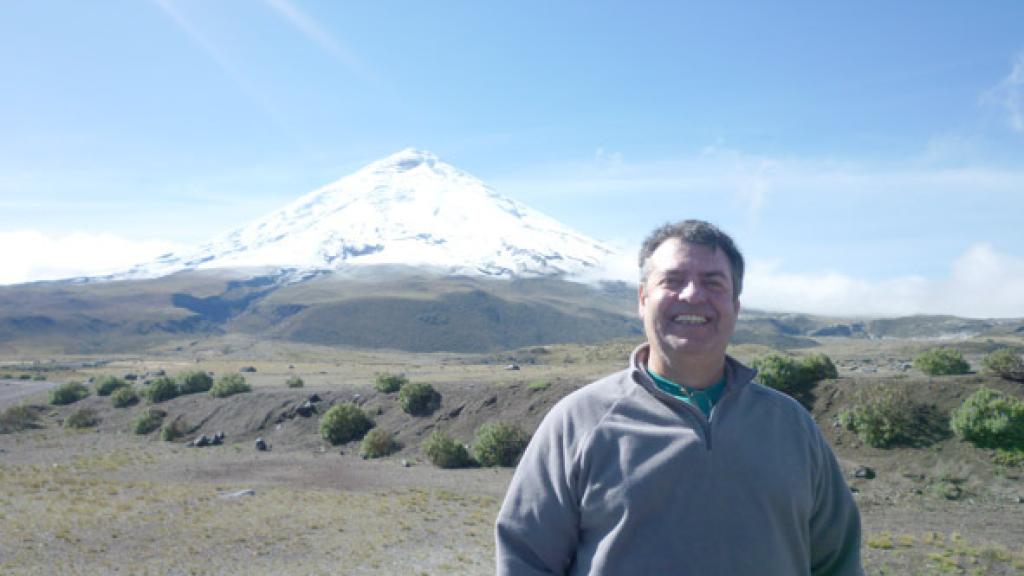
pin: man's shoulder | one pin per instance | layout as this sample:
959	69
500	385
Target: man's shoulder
589	404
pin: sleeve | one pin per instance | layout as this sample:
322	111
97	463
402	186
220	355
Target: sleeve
538	526
835	523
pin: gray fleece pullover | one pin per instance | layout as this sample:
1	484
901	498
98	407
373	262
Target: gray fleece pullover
622	478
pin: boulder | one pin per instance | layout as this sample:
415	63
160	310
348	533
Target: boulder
864	472
262	445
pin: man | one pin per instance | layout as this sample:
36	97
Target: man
680	464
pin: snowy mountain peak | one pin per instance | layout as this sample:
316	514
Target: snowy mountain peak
408	208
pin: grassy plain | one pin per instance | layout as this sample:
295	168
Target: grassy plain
105	501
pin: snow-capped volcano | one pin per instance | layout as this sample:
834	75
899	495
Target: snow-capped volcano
409	208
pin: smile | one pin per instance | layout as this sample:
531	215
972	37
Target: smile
689	319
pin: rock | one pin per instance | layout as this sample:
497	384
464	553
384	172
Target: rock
218	438
160	372
512	367
262	445
239	494
864	472
406	464
1018	499
201	441
247	369
306	409
131	377
314	397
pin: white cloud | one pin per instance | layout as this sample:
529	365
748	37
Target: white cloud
28	255
982	283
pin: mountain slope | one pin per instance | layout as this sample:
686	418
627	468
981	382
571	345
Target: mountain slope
409	208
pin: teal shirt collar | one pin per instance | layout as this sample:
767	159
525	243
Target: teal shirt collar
704	400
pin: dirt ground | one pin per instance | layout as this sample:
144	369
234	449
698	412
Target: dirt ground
107	501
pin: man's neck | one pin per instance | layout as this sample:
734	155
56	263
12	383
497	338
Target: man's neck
691	373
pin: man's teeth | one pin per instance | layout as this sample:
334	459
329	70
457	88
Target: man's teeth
689	319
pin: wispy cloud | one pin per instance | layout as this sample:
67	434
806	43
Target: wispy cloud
311	30
29	255
255	95
1009	93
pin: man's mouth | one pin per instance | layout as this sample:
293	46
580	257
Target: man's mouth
689	319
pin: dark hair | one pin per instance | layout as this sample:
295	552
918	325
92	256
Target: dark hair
695	232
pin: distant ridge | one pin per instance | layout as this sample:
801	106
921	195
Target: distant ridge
409	208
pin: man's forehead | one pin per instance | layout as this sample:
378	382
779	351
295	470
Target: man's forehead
675	254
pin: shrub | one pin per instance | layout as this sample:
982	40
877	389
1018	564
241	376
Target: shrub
817	367
793	375
68	393
81	418
941	362
990	419
378	443
39	377
538	385
294	382
343	423
124	397
107	385
229	385
388	383
779	372
1005	363
147	423
882	416
16	419
162	389
419	399
194	382
444	452
499	444
173	431
24	376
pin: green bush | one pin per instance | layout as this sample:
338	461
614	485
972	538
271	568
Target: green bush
162	389
941	362
499	444
16	419
294	382
818	367
882	416
419	399
378	443
124	397
68	393
173	431
1005	363
388	383
229	385
444	452
538	385
24	376
147	423
793	375
107	384
81	418
39	377
343	423
194	382
990	419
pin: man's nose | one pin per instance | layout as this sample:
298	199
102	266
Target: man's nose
692	292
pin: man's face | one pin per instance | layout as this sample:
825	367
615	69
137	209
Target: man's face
687	304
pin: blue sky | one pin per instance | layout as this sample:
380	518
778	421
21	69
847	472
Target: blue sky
868	157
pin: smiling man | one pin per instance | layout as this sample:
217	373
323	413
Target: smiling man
680	464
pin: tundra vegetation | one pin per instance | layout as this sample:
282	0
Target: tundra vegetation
229	385
942	362
418	399
344	423
1006	363
388	383
68	393
939	450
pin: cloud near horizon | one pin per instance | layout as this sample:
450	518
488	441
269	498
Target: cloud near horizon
982	283
30	256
